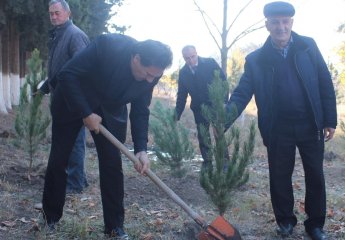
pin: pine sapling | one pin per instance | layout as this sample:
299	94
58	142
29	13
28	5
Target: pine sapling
230	171
171	139
31	121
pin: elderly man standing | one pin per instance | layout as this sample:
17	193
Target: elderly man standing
65	41
296	105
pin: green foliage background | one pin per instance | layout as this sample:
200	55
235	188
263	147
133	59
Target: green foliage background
32	19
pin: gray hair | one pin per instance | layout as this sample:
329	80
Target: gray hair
64	4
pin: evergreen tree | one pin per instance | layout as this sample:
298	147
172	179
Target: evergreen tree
230	172
93	15
338	86
31	121
235	68
171	139
32	19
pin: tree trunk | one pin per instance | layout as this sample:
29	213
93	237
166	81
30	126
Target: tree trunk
224	32
2	100
224	35
22	65
14	61
6	67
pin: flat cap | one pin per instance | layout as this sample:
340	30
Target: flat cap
279	9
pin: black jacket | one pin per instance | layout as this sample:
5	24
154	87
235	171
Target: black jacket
258	79
100	77
196	85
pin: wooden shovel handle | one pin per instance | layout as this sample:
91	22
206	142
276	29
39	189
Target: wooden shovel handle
196	217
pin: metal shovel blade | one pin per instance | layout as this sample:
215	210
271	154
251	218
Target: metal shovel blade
220	229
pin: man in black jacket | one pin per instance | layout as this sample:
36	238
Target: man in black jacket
65	41
296	105
95	87
194	78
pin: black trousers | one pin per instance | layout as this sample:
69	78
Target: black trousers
204	137
285	138
110	170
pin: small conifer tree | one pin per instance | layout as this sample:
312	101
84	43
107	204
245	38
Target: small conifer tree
171	138
31	121
229	172
342	127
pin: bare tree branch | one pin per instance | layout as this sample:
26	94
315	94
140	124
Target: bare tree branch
224	32
243	34
206	18
238	14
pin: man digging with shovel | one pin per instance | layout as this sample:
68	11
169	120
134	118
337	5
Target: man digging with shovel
95	87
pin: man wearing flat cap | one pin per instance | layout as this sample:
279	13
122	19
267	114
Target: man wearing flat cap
296	105
279	9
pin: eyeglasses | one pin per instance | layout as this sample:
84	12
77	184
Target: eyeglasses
186	58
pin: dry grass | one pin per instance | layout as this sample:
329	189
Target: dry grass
150	215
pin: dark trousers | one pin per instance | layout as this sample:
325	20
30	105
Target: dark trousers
286	136
110	170
76	176
204	137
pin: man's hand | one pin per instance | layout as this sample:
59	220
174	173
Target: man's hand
328	133
37	92
144	162
92	122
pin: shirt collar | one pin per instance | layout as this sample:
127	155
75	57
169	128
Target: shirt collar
282	51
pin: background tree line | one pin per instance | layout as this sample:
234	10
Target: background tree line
23	27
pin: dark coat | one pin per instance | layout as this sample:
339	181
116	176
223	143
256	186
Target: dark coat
100	77
64	42
196	85
258	79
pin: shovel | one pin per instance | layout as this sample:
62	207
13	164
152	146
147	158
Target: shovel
219	229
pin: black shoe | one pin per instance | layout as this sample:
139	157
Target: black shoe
317	234
285	229
118	234
50	227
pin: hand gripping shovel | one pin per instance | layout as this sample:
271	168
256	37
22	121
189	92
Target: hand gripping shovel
219	229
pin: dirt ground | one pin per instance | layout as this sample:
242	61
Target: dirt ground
150	214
